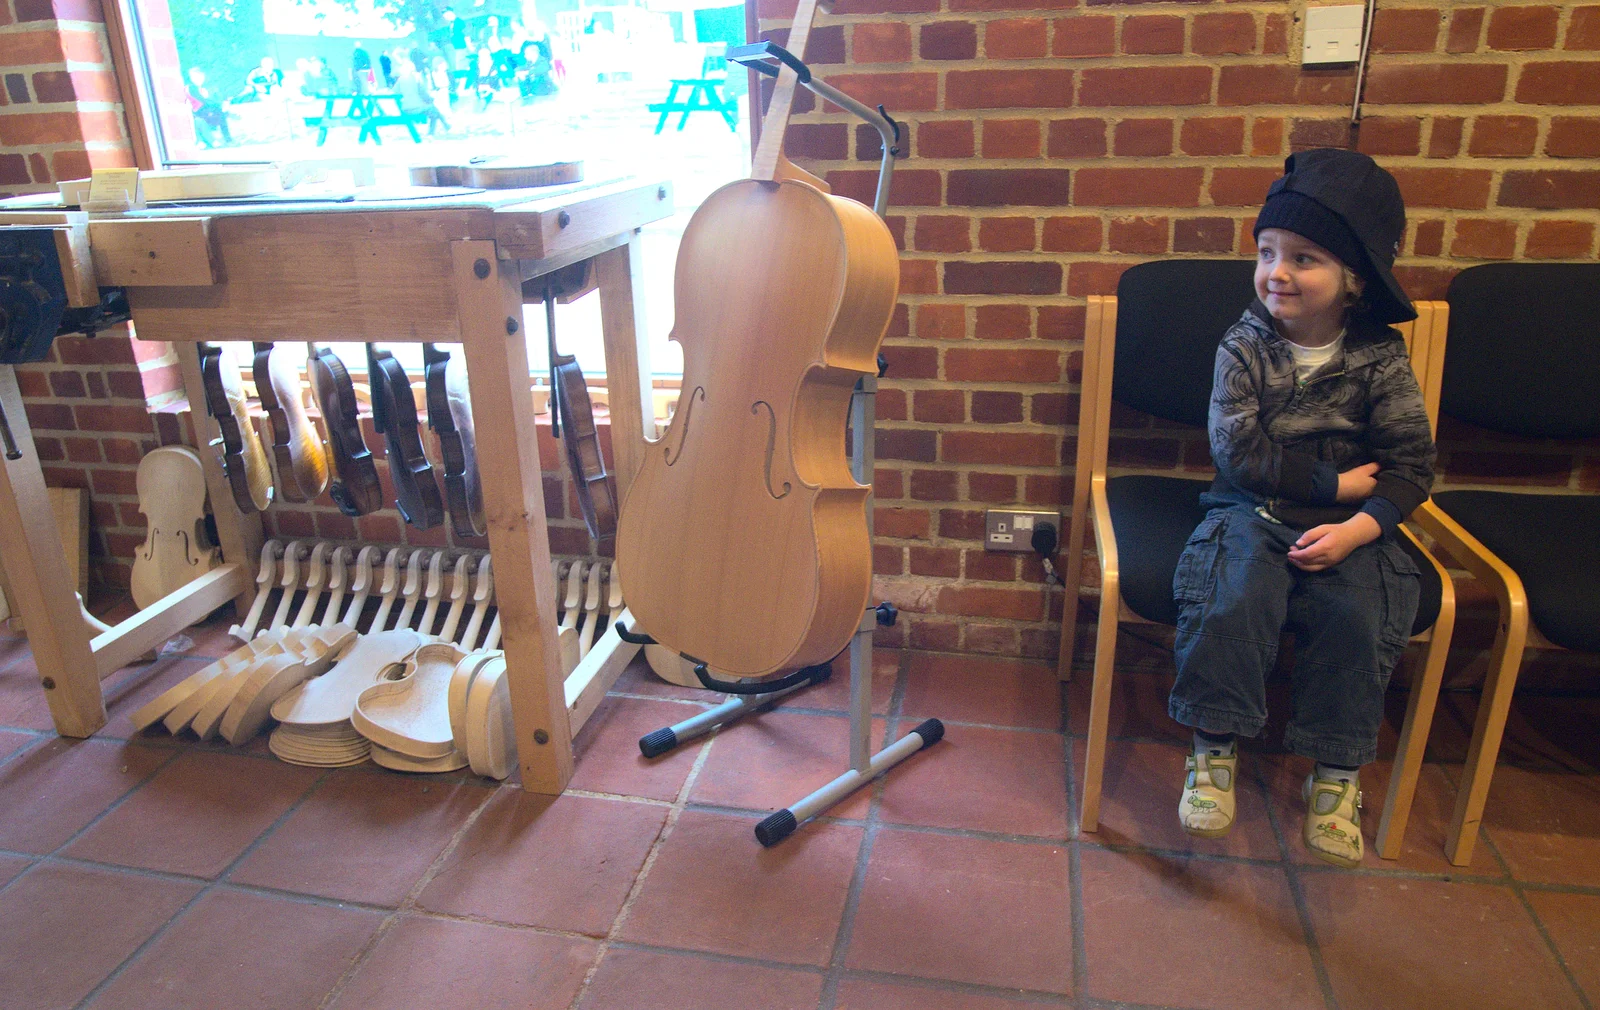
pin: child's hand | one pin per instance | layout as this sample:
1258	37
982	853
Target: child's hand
1357	485
1325	546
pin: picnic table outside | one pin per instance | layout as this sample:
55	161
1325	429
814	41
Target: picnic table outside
369	111
704	96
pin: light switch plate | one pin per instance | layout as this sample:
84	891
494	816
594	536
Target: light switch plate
1333	35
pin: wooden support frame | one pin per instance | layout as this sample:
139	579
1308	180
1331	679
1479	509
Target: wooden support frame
1091	510
450	271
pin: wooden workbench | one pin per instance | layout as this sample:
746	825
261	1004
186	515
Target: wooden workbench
445	269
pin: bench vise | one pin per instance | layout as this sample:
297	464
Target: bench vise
35	304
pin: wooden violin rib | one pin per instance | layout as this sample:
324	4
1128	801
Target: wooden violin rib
302	465
172	495
394	413
411	715
354	485
243	460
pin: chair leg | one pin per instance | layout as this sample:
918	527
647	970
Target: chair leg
1493	708
1105	656
1414	741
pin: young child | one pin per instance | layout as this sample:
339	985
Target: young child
1322	448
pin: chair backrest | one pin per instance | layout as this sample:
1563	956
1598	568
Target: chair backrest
1524	349
1171	315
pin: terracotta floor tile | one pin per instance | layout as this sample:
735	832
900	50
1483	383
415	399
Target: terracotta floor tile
244	951
67	927
12	741
638	678
1139	802
1138	707
1556	728
1425	944
834	694
766	761
427	962
1285	776
999	692
607	749
11	866
564	865
362	837
1546	824
22	701
1573	922
713	887
967	910
196	815
953	783
1255	954
12	648
211	639
630	979
50	792
137	686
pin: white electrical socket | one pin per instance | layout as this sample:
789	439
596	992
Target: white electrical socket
1333	35
1012	529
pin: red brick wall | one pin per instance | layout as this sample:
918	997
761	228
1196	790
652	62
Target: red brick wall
1055	142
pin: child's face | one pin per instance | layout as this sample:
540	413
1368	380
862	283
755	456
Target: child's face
1297	280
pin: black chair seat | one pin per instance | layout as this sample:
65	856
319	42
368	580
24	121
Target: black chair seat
1550	541
1153	517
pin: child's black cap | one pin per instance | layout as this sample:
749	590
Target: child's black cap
1344	202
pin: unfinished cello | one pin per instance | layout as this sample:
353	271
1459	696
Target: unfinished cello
743	540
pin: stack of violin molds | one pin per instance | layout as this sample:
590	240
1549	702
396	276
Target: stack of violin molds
420	688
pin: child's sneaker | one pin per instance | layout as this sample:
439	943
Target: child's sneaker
1333	820
1206	806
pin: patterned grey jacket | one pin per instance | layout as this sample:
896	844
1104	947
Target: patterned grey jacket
1285	443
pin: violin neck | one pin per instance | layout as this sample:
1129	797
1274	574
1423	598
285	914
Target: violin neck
765	164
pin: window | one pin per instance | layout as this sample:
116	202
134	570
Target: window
276	80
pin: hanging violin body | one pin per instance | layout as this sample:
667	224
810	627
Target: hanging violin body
743	540
450	417
572	415
243	460
394	413
354	486
172	495
302	465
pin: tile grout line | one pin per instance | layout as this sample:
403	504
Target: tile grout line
150	940
1076	914
409	901
96	819
1297	895
1538	923
828	998
674	812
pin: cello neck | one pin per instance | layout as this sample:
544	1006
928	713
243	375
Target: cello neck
769	154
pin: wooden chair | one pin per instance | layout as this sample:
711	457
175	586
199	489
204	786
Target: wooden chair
1153	347
1523	361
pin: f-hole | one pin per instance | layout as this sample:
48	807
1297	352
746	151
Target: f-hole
772	441
688	410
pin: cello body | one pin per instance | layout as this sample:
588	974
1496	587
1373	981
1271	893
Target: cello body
743	539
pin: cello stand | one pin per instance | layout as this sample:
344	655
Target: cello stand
756	697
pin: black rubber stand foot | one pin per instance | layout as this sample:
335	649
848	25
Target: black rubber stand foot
931	732
657	743
775	828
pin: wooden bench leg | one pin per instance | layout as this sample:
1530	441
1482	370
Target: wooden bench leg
489	301
40	584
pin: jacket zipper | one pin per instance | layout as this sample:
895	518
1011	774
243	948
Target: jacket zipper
1299	387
